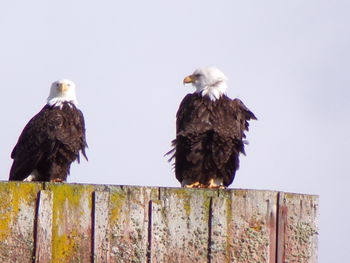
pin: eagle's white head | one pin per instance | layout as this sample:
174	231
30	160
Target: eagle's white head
62	91
209	82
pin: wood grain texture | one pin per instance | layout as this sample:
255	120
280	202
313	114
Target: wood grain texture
43	253
17	217
297	228
71	223
101	233
244	226
128	221
180	221
104	223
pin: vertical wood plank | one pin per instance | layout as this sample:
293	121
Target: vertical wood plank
180	223
17	216
297	228
128	223
44	228
71	223
101	224
243	226
220	223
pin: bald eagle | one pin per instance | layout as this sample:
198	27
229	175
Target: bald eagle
209	132
52	139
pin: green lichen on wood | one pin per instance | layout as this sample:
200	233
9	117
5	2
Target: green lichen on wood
71	203
128	218
206	205
248	233
207	195
301	235
301	227
189	198
13	195
117	200
229	220
184	195
180	224
304	197
240	193
69	212
17	210
251	245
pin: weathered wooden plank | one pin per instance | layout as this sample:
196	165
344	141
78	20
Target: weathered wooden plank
101	237
99	223
128	223
297	228
17	216
44	228
243	226
71	223
220	215
180	223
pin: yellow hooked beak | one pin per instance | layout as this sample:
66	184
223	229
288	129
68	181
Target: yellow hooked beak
63	87
189	79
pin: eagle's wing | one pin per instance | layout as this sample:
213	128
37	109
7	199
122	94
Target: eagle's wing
83	142
34	142
192	121
230	123
243	115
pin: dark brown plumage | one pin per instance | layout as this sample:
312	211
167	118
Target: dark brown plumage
209	137
49	143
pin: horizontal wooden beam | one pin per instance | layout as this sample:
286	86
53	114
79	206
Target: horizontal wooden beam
55	222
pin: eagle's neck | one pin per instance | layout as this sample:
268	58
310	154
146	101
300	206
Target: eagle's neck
214	91
59	101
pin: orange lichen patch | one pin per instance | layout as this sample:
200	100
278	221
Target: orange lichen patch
256	225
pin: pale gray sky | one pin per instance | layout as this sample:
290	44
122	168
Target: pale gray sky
287	60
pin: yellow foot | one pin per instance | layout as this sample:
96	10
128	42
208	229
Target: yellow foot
217	187
194	185
213	184
56	180
216	184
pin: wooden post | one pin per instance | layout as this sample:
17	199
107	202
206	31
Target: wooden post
244	226
43	253
101	234
107	224
297	228
71	222
122	229
180	221
17	217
